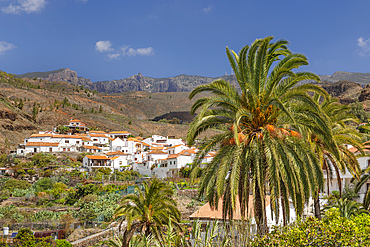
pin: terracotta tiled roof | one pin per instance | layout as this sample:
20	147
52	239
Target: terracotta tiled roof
188	152
157	151
97	157
86	139
173	156
74	120
91	147
116	153
42	144
110	138
98	135
97	132
175	146
41	135
207	213
119	132
156	148
113	158
67	136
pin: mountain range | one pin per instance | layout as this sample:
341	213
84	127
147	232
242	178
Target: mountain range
180	83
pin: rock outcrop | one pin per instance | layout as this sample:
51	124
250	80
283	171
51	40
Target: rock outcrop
365	94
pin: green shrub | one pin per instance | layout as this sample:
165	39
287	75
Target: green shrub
42	160
43	184
333	230
12	184
63	243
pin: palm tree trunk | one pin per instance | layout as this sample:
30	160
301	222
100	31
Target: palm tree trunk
284	213
317	206
259	213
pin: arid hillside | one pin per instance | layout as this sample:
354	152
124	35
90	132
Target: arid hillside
28	106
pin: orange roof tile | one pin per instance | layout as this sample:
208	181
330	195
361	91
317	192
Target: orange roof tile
97	132
175	146
98	135
97	157
41	135
119	132
206	212
116	153
74	120
91	147
86	139
42	144
113	158
66	136
156	151
173	156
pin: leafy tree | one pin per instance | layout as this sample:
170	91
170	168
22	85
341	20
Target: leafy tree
25	238
357	109
100	109
35	111
62	129
20	104
80	191
261	142
148	211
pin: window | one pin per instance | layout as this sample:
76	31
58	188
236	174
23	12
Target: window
68	149
78	142
135	159
50	149
170	162
64	149
368	162
120	162
95	140
66	141
174	162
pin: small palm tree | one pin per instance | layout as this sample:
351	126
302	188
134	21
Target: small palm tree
348	208
148	211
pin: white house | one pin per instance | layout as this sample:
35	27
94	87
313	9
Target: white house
92	162
119	134
38	147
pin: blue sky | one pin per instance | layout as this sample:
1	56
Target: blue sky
106	40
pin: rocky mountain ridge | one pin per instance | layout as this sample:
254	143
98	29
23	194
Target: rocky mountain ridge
180	83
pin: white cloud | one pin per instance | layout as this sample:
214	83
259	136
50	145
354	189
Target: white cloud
114	55
27	6
207	10
5	46
364	46
145	51
106	46
103	46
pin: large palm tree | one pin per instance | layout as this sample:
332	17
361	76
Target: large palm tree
148	211
259	141
336	156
